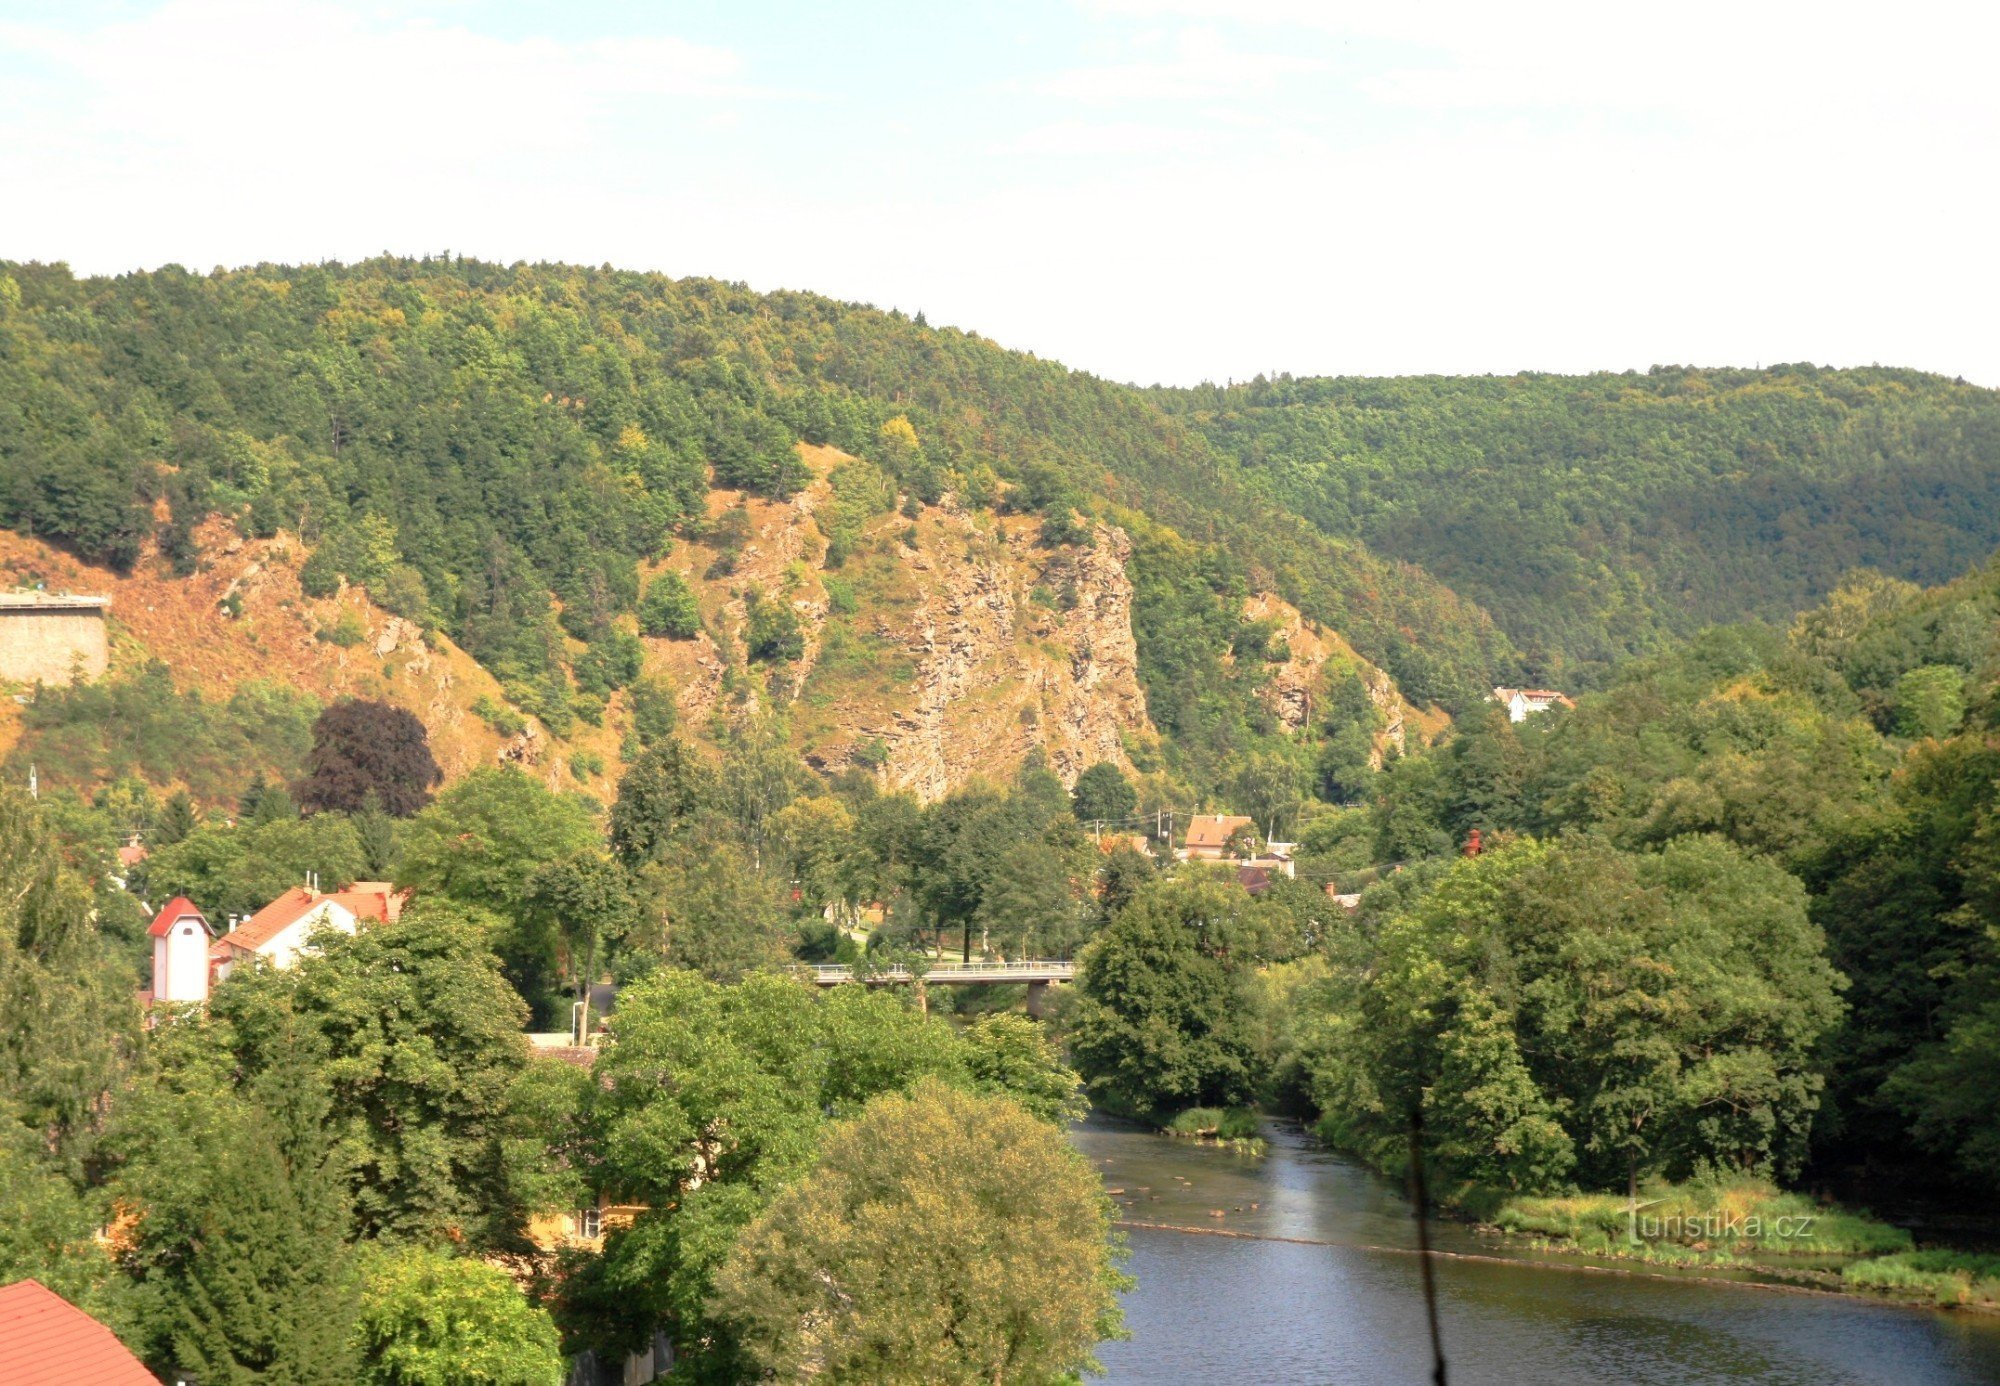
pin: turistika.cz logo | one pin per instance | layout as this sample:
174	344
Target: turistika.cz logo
1718	1226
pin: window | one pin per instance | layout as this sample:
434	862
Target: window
590	1224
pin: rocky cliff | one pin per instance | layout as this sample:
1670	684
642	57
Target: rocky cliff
950	643
1292	684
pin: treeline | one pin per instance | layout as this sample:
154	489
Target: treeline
320	1176
1809	815
494	450
1602	516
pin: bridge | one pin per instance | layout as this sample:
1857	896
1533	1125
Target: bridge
1037	973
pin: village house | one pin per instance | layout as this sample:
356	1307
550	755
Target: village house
1208	835
47	1341
181	939
1521	703
282	930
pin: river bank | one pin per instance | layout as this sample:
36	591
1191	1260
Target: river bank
1300	1266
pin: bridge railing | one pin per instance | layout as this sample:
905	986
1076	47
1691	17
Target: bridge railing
1053	969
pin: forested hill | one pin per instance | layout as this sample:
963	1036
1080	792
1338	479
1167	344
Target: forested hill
1597	516
466	439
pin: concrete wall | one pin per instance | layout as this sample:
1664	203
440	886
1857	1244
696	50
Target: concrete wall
48	645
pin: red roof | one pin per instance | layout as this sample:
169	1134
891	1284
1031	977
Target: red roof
1214	829
47	1341
177	909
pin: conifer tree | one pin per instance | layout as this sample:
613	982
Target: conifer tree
261	1285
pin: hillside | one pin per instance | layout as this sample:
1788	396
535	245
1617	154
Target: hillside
506	454
215	675
1599	516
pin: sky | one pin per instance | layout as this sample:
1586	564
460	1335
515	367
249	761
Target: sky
1152	190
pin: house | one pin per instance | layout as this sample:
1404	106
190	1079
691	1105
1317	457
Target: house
1208	835
1522	702
278	933
1108	843
47	1341
1271	865
181	939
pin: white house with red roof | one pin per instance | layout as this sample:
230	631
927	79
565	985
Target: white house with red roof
1522	703
283	929
181	939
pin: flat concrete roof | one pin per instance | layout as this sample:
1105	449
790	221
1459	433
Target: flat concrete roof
50	601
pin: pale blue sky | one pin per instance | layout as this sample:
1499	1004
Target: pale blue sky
1149	189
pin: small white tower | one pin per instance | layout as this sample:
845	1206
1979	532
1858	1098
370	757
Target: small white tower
180	952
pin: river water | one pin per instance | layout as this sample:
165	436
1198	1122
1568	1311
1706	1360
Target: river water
1240	1309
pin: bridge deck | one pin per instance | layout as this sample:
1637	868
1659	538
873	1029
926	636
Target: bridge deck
950	974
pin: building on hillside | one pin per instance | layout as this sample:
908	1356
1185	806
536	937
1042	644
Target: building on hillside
1108	843
1271	864
181	939
54	639
1522	703
1208	835
282	930
47	1341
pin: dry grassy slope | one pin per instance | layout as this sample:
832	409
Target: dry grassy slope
1292	684
155	615
967	644
964	645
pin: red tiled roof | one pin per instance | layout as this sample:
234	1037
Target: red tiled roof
176	909
47	1341
276	917
376	900
1214	829
132	853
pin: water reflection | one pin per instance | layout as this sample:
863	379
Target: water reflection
1223	1309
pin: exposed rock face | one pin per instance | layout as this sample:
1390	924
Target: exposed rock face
1001	647
1000	674
1291	687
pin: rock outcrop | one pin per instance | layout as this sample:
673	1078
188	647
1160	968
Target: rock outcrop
1293	684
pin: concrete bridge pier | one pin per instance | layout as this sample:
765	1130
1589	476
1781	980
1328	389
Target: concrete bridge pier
1038	998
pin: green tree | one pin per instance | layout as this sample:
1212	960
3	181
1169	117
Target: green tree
1636	1013
659	797
668	610
718	915
1161	1021
483	838
1103	794
418	1036
771	630
1930	701
428	1319
244	1271
714	1099
239	870
1013	1280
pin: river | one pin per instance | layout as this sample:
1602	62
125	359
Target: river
1228	1309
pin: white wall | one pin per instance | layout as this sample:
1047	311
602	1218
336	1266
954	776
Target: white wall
284	948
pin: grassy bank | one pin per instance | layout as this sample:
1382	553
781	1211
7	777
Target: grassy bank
1951	1278
1735	1222
1235	1127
